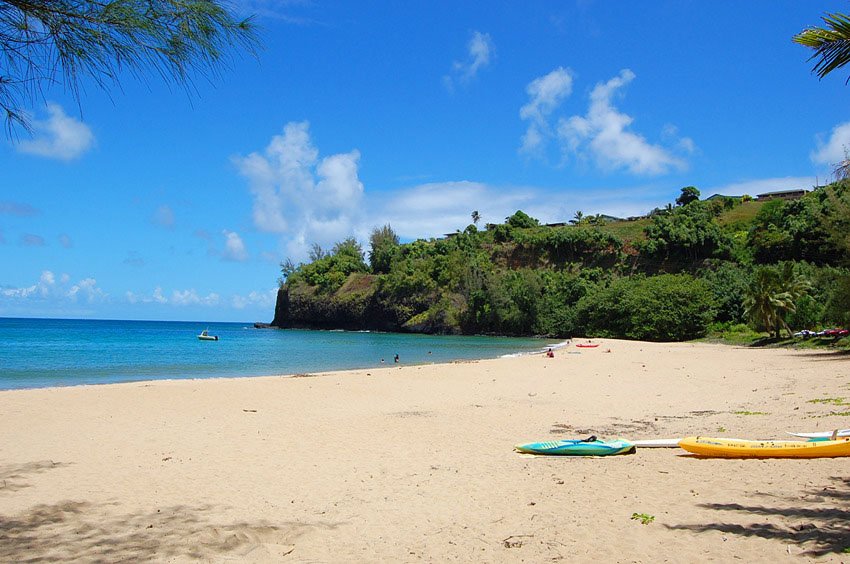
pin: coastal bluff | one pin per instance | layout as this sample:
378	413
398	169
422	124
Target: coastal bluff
354	306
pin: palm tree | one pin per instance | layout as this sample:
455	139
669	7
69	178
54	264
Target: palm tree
476	217
577	220
772	295
831	43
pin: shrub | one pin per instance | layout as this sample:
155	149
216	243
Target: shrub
669	307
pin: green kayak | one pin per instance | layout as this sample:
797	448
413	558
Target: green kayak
578	447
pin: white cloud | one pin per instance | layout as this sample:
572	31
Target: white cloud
86	288
545	94
431	210
297	194
479	51
234	247
190	297
264	300
836	147
58	137
177	298
49	288
603	134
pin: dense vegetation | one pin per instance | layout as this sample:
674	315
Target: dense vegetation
777	266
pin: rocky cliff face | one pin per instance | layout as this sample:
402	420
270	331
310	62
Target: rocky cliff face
356	306
302	307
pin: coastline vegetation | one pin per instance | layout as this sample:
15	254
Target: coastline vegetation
728	268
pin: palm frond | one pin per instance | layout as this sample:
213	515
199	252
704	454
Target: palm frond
831	44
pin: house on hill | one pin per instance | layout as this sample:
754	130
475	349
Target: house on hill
782	195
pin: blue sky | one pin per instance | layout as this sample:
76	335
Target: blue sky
151	202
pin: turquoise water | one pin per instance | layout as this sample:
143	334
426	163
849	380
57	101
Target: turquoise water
37	353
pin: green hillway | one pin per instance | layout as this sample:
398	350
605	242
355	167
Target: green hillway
684	271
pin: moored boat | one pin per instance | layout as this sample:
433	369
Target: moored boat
205	336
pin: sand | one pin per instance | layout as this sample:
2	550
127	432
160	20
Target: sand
415	463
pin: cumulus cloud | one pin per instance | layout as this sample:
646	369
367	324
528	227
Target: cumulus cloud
479	52
604	135
834	149
49	287
545	95
298	194
178	298
58	137
434	209
234	247
264	299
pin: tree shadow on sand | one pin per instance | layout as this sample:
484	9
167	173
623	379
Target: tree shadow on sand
843	355
13	476
81	531
820	531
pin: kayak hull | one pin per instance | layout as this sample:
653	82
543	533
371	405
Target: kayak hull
577	448
740	448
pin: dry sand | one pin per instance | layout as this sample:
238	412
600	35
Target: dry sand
416	463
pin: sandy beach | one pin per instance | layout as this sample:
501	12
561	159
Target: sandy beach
415	463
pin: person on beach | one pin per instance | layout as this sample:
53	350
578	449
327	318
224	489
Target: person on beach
550	353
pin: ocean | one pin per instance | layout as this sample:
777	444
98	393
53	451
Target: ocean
38	353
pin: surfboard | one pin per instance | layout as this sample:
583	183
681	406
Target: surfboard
822	434
741	448
579	447
657	443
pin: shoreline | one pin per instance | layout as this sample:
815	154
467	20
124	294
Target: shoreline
408	463
388	364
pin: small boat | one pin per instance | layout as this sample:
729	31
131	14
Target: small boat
740	448
205	336
590	446
587	345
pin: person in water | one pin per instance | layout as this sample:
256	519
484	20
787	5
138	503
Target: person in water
396	359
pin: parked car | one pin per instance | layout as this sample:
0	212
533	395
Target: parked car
835	332
805	333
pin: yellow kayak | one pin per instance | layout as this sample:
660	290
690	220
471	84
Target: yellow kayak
740	448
